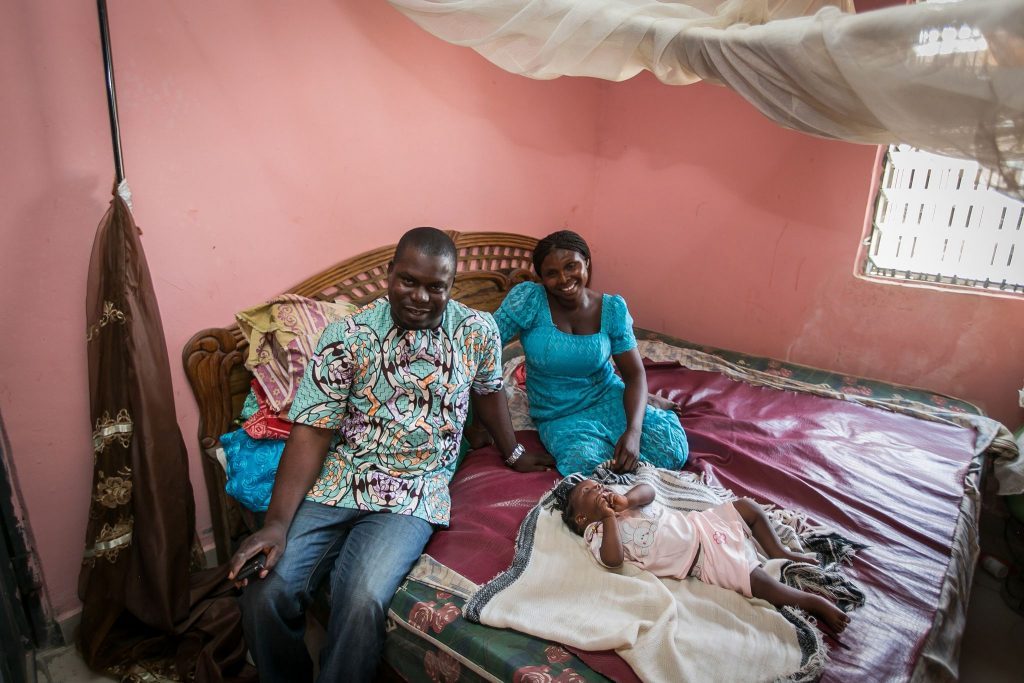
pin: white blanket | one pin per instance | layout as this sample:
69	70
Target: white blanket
665	629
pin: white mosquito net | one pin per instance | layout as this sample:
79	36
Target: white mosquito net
947	77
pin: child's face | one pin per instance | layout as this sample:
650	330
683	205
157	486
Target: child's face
591	501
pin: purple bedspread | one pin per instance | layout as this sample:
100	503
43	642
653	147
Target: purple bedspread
892	482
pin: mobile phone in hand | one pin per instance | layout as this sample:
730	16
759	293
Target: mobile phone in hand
252	566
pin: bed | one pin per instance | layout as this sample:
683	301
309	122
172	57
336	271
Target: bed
895	468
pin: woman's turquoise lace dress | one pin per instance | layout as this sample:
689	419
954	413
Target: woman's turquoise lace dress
575	395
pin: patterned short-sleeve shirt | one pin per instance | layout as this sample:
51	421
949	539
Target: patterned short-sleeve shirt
398	399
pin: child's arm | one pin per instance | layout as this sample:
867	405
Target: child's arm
637	497
611	546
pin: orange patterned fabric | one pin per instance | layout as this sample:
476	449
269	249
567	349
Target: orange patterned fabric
265	423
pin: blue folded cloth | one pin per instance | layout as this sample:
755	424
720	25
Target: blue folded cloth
251	468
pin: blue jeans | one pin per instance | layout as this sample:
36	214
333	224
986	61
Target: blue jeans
365	556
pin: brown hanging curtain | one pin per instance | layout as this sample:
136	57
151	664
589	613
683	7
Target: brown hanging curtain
147	614
145	608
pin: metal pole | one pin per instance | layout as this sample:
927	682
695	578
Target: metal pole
108	68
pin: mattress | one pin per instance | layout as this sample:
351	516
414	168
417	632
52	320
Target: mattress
905	487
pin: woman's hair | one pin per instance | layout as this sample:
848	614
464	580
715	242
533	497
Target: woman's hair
563	239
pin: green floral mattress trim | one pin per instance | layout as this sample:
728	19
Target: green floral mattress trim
430	641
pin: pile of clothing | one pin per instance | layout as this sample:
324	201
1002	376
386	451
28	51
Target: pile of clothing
282	335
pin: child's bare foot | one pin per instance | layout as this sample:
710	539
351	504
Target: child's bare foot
835	619
808	558
662	403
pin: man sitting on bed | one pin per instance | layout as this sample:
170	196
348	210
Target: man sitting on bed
364	476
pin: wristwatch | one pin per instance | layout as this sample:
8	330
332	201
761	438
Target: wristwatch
517	453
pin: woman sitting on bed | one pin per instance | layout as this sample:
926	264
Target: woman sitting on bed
574	338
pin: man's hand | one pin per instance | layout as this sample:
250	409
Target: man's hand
534	461
627	451
270	540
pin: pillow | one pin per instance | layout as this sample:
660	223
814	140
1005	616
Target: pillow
283	334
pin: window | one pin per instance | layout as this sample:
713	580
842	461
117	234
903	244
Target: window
941	220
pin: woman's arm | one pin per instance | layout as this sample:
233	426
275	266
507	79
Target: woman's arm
516	312
634	401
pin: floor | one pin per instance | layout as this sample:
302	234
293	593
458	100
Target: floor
64	665
992	650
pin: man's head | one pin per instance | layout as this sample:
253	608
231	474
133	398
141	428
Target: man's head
420	278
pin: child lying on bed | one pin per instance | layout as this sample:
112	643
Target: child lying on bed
710	545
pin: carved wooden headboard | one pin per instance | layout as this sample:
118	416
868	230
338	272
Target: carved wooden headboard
490	263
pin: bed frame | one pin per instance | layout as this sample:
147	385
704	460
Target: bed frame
489	264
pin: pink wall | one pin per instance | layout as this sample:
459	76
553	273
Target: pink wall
722	228
263	141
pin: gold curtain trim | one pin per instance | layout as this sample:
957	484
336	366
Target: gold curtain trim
107	430
110	314
111	540
114	491
137	672
146	677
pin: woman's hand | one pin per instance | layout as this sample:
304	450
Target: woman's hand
534	461
627	451
270	540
